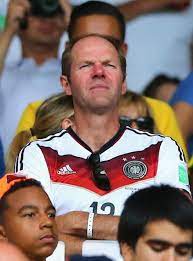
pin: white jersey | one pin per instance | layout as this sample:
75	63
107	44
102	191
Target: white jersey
132	160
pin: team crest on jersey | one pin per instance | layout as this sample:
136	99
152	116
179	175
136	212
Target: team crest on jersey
135	169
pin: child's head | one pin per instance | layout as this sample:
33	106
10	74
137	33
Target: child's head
27	217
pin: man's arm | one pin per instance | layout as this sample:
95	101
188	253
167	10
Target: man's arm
133	9
16	11
75	223
184	113
72	228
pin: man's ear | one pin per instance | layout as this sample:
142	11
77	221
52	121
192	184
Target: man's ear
126	252
2	233
65	84
124	48
124	87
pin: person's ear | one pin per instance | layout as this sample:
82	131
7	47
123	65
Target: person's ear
65	84
124	48
2	233
66	123
124	87
126	252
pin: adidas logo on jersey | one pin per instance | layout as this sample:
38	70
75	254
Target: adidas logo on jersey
66	170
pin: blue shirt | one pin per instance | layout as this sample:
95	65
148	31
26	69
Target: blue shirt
184	93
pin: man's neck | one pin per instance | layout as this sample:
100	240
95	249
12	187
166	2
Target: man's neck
40	54
96	130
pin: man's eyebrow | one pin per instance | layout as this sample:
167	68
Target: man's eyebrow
50	207
159	241
27	207
167	243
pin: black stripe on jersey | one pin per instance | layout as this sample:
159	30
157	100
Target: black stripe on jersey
61	133
182	156
19	165
106	146
145	133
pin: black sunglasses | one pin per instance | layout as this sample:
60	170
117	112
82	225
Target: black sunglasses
143	123
99	175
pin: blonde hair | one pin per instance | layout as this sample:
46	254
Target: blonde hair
138	101
48	120
132	98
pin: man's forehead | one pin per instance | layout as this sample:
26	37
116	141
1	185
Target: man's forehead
92	44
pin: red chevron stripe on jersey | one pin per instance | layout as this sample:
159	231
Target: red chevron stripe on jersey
76	171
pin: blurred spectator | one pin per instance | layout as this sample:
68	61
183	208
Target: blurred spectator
157	224
158	34
2	165
162	87
182	102
36	75
135	112
52	115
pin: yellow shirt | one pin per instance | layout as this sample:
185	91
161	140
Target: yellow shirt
162	113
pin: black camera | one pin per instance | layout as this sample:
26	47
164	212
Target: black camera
45	8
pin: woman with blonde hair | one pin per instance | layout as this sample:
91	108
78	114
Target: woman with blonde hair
53	115
135	112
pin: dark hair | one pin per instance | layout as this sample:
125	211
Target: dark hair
94	8
18	185
154	204
156	83
67	59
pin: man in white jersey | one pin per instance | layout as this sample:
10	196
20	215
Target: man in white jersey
93	166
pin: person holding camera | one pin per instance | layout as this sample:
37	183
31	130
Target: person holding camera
39	25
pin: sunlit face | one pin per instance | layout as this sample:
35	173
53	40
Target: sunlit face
29	222
98	24
96	80
162	241
44	30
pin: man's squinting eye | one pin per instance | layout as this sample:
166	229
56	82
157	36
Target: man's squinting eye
110	65
85	65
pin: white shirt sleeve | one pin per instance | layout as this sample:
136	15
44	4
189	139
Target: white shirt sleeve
32	163
172	168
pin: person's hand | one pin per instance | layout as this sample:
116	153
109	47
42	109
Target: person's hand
17	10
67	8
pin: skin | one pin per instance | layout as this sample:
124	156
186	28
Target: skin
29	222
161	241
11	252
98	24
166	91
96	83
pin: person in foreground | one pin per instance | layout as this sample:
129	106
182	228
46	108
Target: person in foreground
157	224
89	169
10	252
27	217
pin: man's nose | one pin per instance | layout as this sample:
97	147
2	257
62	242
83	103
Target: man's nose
46	221
169	255
98	70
